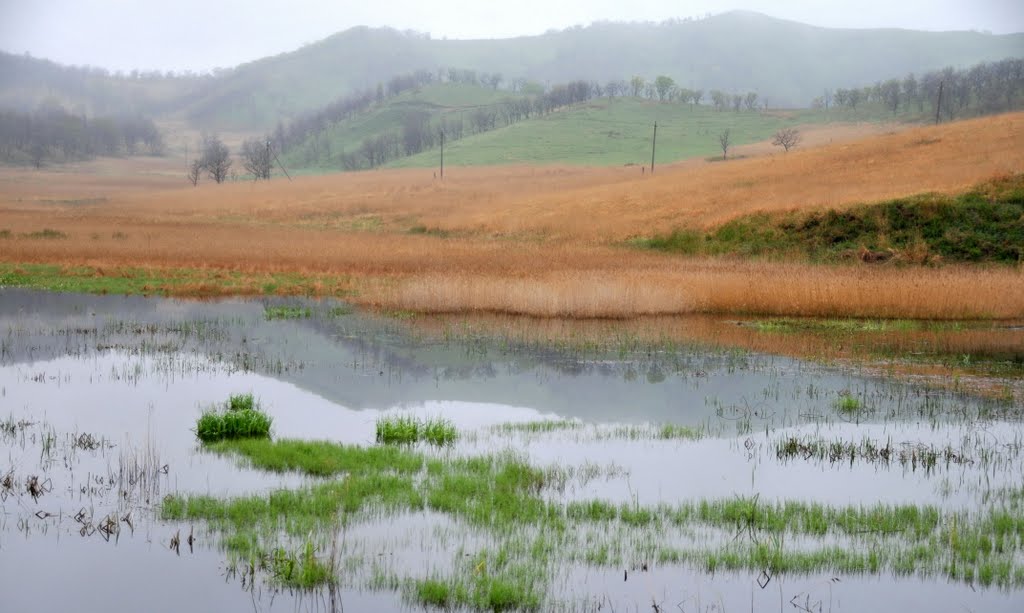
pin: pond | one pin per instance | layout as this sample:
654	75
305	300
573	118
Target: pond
632	474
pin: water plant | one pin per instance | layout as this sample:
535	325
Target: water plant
848	403
240	417
287	312
407	430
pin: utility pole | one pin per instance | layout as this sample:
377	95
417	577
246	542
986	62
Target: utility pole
442	154
938	105
276	159
654	143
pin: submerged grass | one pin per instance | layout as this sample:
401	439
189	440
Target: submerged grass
532	535
926	457
287	312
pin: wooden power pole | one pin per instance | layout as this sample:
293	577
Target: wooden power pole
938	105
442	154
654	143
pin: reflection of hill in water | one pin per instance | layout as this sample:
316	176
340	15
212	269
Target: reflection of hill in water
368	362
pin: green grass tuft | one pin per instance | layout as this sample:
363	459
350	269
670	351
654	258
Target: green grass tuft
241	402
287	312
240	417
407	430
847	403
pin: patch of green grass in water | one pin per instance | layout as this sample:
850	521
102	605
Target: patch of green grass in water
532	536
847	404
217	425
241	402
287	312
321	458
408	430
538	427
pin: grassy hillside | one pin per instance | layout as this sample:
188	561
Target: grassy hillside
785	62
608	132
433	103
985	224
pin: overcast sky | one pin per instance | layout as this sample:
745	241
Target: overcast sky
202	34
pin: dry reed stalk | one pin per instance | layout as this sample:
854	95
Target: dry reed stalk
754	288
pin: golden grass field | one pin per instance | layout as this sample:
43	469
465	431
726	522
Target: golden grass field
530	240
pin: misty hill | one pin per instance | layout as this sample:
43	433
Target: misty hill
787	63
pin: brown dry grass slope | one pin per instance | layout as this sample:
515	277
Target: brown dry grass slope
534	240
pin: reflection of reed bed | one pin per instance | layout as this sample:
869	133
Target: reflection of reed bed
976	357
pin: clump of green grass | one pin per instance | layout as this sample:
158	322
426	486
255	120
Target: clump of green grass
439	432
241	402
407	430
676	431
5	233
240	417
287	312
848	403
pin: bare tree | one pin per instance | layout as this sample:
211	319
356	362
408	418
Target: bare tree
787	138
256	157
195	170
723	142
216	158
750	100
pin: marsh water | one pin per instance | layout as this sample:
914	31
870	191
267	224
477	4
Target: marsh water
99	396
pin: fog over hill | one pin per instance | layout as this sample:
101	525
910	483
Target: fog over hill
786	63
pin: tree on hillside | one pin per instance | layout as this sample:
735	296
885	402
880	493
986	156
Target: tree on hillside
890	93
723	142
195	170
910	93
787	138
719	99
637	85
256	158
495	80
216	159
664	86
737	102
750	100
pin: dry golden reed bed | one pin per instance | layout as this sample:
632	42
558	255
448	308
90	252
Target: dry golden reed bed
530	240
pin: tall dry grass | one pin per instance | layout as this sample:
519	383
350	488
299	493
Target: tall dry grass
724	288
532	240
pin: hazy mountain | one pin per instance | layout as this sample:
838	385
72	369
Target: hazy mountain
787	63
